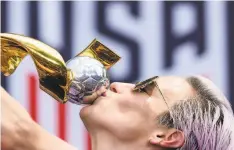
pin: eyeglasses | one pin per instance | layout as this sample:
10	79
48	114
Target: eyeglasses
148	86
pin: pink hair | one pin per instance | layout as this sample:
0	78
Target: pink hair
206	119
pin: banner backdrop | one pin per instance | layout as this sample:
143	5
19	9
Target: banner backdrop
153	38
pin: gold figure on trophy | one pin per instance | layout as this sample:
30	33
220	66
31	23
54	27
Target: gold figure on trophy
79	81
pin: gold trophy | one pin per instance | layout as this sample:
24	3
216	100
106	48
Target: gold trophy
80	81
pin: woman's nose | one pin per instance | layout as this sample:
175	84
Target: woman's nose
118	87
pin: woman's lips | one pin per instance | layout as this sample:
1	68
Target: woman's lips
100	93
103	94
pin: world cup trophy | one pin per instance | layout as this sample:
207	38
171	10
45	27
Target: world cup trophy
81	80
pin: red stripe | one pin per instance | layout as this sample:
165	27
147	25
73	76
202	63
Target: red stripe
33	106
62	126
33	95
89	145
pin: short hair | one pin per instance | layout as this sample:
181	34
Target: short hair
206	119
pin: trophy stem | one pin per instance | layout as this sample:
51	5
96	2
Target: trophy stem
53	75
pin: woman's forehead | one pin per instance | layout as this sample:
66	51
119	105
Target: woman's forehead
172	81
176	87
165	80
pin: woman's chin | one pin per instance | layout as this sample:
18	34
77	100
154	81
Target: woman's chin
88	110
84	112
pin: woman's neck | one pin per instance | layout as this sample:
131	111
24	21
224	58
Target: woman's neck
102	141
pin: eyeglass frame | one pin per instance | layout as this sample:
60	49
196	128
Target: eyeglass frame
140	86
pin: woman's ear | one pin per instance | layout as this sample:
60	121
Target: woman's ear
170	138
